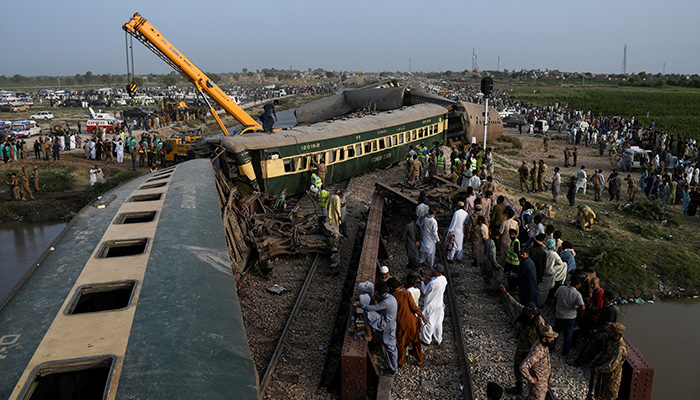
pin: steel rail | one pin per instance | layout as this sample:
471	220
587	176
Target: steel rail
270	371
467	381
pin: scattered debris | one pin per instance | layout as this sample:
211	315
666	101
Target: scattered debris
276	289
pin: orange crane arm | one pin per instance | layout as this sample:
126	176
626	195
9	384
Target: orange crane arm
145	33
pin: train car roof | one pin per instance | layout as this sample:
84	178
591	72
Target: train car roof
329	130
181	334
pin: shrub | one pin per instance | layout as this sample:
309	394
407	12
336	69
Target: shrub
56	180
512	140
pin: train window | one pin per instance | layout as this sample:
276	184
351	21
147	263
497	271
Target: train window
330	158
382	144
102	297
303	162
135	217
153	186
351	151
290	165
395	140
358	149
146	197
401	138
368	147
413	135
122	248
341	154
86	378
374	145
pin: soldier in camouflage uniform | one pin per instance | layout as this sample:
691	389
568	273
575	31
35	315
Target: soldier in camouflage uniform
24	185
534	176
608	365
537	367
473	230
526	333
416	167
524	172
541	175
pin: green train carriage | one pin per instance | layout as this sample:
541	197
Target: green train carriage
273	162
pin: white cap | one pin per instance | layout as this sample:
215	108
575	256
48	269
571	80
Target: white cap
384	269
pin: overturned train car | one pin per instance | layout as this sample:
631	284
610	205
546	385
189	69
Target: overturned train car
355	132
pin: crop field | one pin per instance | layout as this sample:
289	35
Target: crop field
676	111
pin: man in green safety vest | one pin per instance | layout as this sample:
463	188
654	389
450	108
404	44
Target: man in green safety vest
322	201
512	255
315	182
441	163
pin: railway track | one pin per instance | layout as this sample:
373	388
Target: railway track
291	349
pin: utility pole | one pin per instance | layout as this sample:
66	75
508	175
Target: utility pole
409	66
664	73
624	61
498	68
475	65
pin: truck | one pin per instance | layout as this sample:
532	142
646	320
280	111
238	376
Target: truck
176	146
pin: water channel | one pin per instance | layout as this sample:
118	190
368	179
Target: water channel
664	331
21	244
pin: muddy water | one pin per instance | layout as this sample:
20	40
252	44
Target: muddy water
667	334
21	244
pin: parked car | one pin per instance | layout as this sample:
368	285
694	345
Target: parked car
99	103
15	107
136	113
513	120
42	115
71	103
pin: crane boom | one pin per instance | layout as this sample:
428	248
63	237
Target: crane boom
145	33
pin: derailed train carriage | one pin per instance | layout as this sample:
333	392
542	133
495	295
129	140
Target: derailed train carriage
389	121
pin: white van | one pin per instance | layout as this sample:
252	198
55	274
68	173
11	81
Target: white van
541	126
634	158
25	129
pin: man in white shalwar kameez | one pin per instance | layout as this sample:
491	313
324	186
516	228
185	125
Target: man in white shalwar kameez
459	223
554	272
93	150
582	179
120	152
430	239
434	306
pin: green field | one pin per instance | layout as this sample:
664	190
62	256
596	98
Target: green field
676	110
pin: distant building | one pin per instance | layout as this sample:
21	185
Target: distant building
227	79
359	78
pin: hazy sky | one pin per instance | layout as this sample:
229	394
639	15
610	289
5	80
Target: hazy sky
74	36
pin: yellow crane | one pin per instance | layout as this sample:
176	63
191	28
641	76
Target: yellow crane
144	32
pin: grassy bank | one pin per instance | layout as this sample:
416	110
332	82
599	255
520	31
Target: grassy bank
644	250
64	188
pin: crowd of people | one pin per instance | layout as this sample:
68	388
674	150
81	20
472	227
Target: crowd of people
516	253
